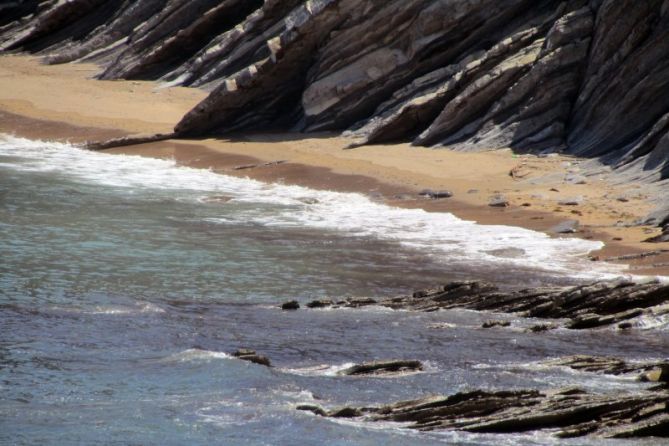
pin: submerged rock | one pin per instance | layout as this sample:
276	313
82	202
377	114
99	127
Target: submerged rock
539	328
491	324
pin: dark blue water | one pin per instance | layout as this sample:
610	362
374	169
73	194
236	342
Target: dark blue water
125	281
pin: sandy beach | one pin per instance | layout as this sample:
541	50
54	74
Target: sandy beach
64	102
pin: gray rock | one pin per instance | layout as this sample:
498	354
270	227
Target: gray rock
575	179
571	201
435	194
390	367
566	227
662	238
498	201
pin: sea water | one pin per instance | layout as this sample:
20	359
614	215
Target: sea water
125	282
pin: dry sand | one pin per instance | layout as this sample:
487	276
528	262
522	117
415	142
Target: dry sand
63	102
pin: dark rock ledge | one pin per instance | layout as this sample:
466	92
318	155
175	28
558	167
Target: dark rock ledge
246	354
569	412
585	306
644	371
383	368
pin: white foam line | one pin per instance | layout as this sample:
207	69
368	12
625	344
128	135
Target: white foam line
195	354
441	235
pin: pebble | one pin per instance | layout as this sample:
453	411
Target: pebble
498	201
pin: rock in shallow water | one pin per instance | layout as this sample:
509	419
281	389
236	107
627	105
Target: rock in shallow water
492	323
383	368
291	305
250	355
567	412
591	305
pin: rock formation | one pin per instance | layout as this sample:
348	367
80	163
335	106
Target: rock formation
383	368
246	354
587	77
568	412
565	412
584	306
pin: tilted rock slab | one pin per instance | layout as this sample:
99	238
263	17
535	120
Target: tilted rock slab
587	77
569	412
566	412
585	306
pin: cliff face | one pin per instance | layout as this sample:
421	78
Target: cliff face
588	77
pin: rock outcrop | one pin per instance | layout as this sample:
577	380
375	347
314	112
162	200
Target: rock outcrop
565	412
383	368
568	412
585	306
645	371
246	354
587	77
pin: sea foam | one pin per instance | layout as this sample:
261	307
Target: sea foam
441	236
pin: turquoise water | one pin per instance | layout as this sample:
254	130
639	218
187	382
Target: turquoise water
124	283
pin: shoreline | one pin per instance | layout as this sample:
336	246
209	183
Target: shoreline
391	173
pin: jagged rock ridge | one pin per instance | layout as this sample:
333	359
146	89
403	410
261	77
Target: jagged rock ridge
592	305
589	77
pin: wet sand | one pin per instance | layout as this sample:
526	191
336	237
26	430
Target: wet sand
64	103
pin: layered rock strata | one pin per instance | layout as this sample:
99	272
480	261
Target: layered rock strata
587	77
568	412
564	412
585	306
